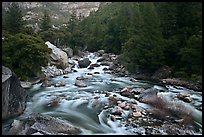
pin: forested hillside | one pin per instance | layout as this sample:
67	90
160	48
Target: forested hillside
130	68
147	35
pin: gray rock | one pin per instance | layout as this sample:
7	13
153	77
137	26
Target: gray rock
69	51
184	96
84	63
117	111
26	85
101	52
37	123
51	125
80	83
13	95
58	56
100	59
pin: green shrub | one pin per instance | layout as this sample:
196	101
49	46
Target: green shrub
180	74
24	54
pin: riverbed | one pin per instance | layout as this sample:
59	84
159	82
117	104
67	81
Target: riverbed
90	108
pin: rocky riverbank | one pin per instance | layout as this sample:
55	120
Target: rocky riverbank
118	110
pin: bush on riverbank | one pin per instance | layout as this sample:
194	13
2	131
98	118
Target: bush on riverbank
24	54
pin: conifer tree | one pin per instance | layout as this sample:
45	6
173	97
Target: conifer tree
45	22
13	20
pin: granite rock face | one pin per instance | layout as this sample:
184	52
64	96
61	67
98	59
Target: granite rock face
40	124
58	57
13	95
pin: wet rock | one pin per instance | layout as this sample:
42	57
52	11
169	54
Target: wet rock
189	84
91	67
37	133
17	128
133	80
106	56
74	70
80	83
84	63
122	104
187	99
101	52
47	83
127	92
81	78
127	107
65	76
60	84
105	69
136	114
106	63
26	85
113	99
51	71
112	67
117	111
115	117
54	102
48	125
136	97
113	79
137	91
184	96
119	102
69	51
100	59
96	72
13	95
89	74
58	56
147	94
95	65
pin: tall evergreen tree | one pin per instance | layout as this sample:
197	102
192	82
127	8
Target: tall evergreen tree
46	21
145	48
13	20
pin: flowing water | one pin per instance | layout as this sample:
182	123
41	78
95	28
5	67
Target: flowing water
88	107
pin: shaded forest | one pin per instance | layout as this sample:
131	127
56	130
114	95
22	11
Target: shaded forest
147	35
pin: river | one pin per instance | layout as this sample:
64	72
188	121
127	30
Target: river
89	107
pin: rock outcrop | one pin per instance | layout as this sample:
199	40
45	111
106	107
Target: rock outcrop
69	51
13	95
84	63
59	58
37	123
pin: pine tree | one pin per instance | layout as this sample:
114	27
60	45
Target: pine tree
144	50
13	20
45	22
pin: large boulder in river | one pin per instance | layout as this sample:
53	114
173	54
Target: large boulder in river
13	95
101	52
58	56
84	63
80	83
69	51
37	123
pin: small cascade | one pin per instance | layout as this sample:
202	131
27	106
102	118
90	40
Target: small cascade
90	107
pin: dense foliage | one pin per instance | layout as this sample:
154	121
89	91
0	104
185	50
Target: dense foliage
13	22
45	23
24	52
148	35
